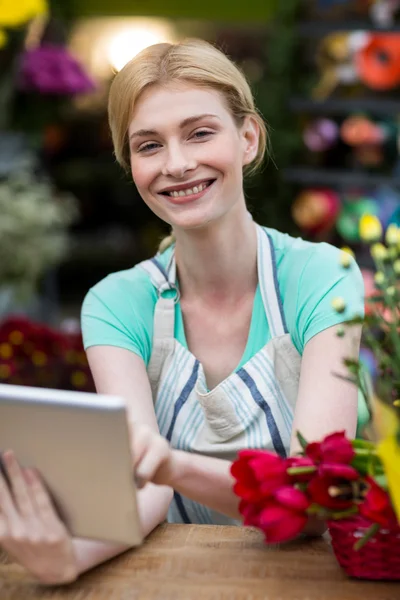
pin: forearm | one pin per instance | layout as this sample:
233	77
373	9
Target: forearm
153	503
205	480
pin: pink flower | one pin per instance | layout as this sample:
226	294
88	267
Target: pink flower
377	506
281	517
258	474
50	69
331	488
335	448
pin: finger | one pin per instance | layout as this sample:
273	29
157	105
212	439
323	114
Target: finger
150	464
41	499
141	442
20	490
7	506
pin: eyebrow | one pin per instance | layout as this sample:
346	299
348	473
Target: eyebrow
182	125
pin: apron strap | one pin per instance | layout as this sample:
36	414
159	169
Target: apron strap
268	278
168	296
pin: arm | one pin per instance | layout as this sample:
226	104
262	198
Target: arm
325	404
120	372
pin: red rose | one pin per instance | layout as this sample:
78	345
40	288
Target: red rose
282	516
377	506
258	474
331	488
334	448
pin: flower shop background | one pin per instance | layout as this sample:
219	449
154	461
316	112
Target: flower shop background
68	214
326	76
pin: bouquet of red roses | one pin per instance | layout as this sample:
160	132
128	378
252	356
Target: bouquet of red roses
330	480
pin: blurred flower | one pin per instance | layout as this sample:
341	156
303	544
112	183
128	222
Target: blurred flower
332	488
258	474
379	278
335	448
50	69
377	506
14	13
338	304
379	252
32	216
282	516
392	235
345	258
370	228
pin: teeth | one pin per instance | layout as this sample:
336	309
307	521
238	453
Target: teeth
189	192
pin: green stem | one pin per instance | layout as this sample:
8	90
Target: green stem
371	531
300	470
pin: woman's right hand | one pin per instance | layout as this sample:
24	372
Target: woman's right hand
30	529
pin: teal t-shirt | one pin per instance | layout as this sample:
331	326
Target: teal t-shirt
119	310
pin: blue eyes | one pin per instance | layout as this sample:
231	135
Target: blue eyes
198	135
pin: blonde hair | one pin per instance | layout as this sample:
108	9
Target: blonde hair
194	61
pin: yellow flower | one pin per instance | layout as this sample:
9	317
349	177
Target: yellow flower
15	13
389	452
348	250
370	228
346	257
379	278
338	304
3	38
392	236
379	252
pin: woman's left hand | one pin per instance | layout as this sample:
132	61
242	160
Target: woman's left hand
153	457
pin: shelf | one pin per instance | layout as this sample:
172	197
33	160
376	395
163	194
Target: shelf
321	28
344	106
337	178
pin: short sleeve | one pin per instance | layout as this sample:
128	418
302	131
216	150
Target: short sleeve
322	279
118	311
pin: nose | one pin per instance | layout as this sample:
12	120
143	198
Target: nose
178	162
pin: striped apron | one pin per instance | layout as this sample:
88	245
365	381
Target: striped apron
252	408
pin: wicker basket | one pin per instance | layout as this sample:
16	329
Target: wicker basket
378	559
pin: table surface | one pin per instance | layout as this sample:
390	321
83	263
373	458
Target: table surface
185	562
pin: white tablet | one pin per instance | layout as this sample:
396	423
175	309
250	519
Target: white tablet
80	444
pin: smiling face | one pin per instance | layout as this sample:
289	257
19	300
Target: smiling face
187	154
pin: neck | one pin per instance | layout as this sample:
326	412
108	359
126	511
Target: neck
218	261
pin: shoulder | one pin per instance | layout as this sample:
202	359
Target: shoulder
295	254
299	261
310	276
127	287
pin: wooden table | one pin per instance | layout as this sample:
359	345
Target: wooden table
196	562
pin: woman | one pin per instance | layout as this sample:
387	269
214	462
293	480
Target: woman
226	339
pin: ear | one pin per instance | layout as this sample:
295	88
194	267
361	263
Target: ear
250	135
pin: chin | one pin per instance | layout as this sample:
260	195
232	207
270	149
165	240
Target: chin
194	218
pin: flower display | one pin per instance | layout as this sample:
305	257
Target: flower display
33	230
50	69
335	478
37	355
